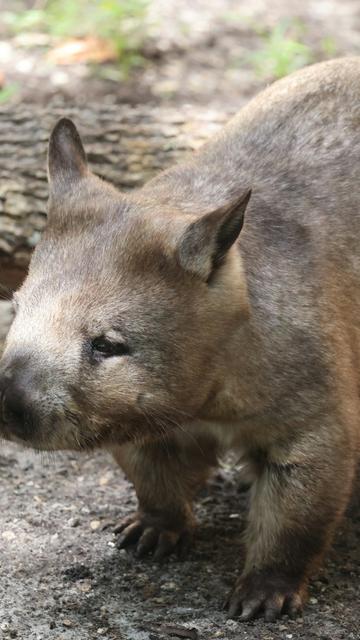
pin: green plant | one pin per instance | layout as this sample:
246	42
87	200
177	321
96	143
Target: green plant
328	46
120	22
281	52
8	92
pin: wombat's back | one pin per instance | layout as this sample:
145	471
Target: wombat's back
298	144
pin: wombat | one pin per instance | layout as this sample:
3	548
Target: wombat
167	327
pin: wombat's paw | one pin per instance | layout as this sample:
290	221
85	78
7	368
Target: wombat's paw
152	538
268	593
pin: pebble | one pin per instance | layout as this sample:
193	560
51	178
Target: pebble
313	600
94	524
67	623
8	535
105	479
84	586
168	586
231	623
73	522
9	633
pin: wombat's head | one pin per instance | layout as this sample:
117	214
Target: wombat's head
125	315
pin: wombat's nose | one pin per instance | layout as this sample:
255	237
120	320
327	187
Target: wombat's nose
15	410
14	406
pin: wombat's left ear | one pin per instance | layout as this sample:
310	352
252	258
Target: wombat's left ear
206	241
66	156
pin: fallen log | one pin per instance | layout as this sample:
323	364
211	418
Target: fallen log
125	145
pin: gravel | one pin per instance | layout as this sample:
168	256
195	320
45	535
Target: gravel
62	578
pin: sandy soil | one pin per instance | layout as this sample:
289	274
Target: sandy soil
63	577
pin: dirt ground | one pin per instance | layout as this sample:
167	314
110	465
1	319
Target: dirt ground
63	578
61	575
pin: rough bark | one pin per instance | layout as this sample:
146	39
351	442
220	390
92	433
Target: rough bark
125	145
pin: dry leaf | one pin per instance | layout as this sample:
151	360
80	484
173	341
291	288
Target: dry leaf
82	50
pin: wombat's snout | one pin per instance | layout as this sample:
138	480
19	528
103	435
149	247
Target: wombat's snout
17	412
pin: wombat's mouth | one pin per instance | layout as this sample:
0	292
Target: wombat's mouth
72	430
50	435
56	443
55	433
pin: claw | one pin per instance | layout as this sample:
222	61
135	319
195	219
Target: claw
294	606
274	607
166	544
271	594
233	604
151	538
129	535
147	542
184	545
123	524
250	610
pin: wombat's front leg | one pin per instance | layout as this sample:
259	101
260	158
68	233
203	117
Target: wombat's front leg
296	502
166	477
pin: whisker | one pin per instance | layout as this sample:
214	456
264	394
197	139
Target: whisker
163	419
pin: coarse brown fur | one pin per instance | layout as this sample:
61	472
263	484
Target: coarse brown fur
154	325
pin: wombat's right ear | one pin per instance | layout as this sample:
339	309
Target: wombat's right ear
66	156
206	241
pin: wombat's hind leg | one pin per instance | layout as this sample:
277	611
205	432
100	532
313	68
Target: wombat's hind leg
166	480
296	502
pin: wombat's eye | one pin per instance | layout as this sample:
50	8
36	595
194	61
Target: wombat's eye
105	348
